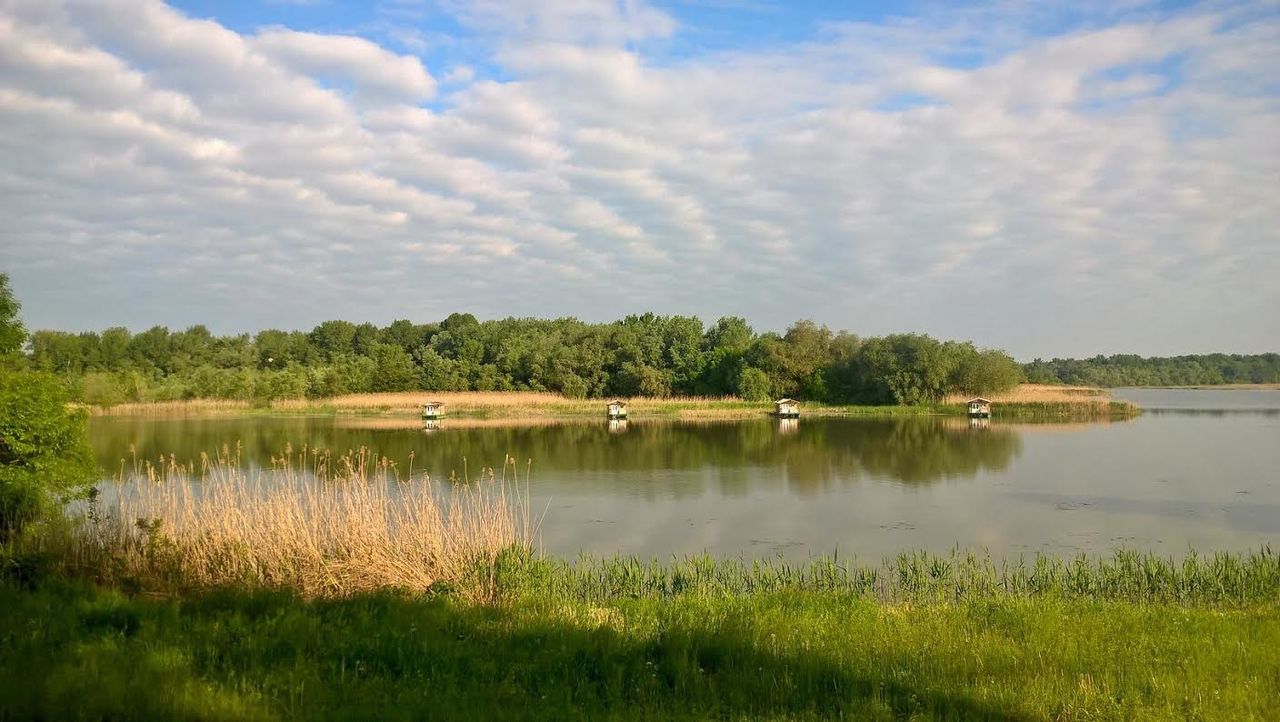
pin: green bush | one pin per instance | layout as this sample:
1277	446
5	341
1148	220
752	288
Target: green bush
44	456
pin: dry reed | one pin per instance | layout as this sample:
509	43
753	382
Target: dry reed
1042	394
321	524
509	404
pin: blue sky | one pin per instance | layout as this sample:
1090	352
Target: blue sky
1049	178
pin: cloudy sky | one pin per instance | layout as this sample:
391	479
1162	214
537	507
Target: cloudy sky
1049	178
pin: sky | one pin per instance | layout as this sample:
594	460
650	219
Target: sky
1053	179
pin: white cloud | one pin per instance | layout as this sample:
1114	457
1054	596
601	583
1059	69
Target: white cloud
371	69
1050	195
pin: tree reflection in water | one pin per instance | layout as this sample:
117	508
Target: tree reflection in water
808	454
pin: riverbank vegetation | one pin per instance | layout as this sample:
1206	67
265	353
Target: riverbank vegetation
920	637
1027	402
639	356
206	619
44	457
1214	369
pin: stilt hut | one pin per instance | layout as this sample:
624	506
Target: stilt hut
787	409
617	409
431	410
979	408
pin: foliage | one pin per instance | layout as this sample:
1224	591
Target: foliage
78	652
1133	370
44	456
12	332
641	355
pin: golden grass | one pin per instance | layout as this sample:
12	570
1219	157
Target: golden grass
1041	394
323	525
509	404
492	405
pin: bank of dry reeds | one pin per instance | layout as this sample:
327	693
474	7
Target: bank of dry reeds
476	404
318	523
1041	394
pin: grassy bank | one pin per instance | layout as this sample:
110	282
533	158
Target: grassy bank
377	596
75	651
1029	402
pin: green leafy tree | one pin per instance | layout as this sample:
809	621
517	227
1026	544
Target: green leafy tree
333	339
393	369
754	384
12	333
44	456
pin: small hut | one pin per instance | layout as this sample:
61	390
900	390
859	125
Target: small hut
617	409
431	409
787	409
979	408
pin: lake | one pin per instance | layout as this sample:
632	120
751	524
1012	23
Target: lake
1199	469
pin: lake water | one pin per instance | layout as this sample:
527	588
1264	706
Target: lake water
1199	469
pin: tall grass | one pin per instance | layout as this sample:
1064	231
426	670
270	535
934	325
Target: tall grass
480	404
1040	394
315	522
1025	401
1218	580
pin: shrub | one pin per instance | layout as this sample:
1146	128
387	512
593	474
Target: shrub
44	456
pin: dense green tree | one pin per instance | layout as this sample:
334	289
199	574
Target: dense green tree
408	335
393	369
12	333
1131	370
333	339
753	384
730	333
898	369
149	350
44	457
638	379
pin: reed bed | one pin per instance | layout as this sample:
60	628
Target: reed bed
321	524
1041	394
1220	580
481	404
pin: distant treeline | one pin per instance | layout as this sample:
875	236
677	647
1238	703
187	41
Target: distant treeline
640	355
1131	370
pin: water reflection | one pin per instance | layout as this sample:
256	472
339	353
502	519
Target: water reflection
870	487
809	456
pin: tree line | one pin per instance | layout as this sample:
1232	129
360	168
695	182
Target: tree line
640	355
1133	370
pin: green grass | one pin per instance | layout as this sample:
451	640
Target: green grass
75	652
1221	581
1132	636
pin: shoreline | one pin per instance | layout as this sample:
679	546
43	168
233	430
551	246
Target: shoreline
1026	402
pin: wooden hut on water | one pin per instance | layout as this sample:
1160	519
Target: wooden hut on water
431	410
979	408
786	409
617	409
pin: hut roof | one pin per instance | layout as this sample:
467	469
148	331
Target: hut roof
979	400
616	402
433	403
786	401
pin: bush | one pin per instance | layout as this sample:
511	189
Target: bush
44	456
